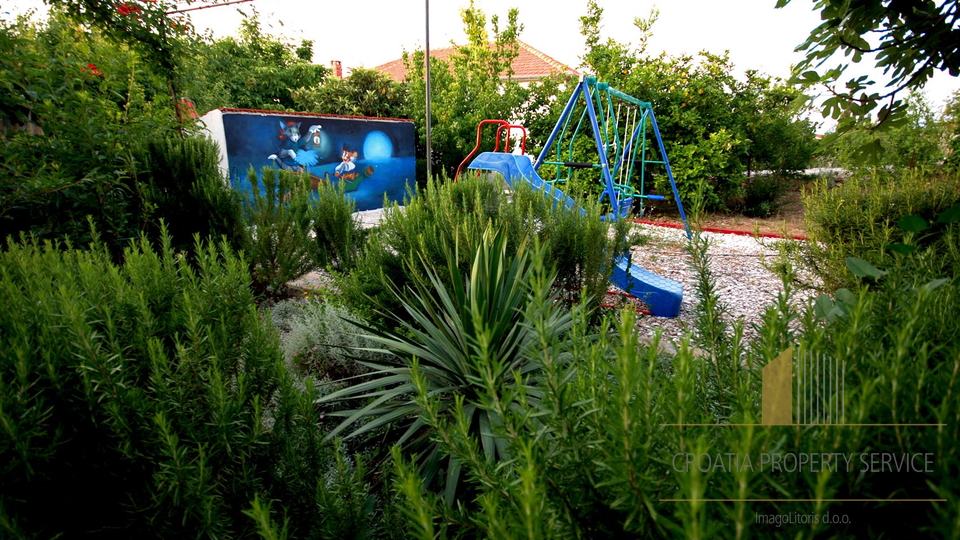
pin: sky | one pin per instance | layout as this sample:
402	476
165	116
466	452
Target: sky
367	33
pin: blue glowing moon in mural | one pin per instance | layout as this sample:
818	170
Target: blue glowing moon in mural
377	146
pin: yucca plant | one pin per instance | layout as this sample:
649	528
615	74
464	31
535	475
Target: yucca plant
469	340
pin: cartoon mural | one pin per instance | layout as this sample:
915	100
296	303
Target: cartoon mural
370	157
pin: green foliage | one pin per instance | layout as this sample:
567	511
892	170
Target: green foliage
279	214
155	385
860	217
539	112
366	92
457	343
467	90
338	234
715	125
909	40
595	456
915	142
322	339
74	106
256	71
420	233
183	187
146	26
294	229
951	133
153	28
763	194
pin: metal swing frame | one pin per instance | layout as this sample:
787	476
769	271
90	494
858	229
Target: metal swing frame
615	173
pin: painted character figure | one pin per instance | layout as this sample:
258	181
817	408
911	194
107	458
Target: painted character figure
348	158
294	154
350	177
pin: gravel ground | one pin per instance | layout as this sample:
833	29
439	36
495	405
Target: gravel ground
745	287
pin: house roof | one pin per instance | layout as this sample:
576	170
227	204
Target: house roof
529	65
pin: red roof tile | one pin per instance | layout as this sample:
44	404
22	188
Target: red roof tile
529	65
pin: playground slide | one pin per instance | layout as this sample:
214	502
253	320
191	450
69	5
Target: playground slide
513	166
661	294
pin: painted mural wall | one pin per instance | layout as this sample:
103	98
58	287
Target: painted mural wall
370	157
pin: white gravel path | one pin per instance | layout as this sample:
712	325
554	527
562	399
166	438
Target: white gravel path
744	285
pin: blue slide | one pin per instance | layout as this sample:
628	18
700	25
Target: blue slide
663	295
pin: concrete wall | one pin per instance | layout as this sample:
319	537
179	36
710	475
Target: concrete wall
371	157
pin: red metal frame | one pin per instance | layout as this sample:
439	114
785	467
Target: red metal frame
504	125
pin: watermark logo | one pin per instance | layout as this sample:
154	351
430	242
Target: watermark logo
820	390
804	388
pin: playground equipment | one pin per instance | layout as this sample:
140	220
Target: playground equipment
619	127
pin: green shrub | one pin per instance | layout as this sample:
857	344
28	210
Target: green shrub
420	234
185	189
859	218
279	215
592	455
339	235
150	400
74	104
293	230
458	342
322	340
763	195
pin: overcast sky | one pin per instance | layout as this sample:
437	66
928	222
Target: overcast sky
367	33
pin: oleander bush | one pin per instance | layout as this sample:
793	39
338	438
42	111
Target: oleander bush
150	399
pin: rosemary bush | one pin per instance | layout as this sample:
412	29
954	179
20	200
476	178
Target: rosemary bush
279	216
593	455
294	229
184	189
859	218
156	386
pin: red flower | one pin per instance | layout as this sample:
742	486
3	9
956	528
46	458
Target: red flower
127	8
92	70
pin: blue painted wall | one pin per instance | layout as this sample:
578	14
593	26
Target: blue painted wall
380	152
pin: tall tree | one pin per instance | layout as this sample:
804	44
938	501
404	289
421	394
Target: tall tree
716	125
256	71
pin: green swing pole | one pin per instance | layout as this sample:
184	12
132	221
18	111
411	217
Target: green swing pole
643	153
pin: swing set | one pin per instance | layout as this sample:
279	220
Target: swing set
619	124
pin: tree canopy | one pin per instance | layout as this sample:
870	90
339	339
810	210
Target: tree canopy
909	40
